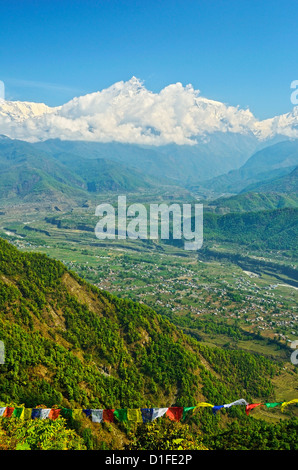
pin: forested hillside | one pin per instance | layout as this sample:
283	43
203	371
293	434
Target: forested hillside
275	229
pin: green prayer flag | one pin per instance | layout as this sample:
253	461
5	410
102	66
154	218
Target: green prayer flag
17	412
186	409
121	414
272	405
66	413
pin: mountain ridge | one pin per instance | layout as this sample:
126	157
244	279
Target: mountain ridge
269	163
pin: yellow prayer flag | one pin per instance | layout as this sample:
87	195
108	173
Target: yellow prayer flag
134	415
286	403
204	404
27	413
76	414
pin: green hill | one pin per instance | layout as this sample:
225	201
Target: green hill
275	229
275	193
274	161
29	174
254	201
287	184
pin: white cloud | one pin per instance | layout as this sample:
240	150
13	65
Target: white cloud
127	112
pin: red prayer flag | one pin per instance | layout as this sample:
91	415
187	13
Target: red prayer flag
175	413
54	413
8	412
108	416
250	407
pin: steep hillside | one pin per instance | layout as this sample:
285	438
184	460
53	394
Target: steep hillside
100	174
68	342
271	162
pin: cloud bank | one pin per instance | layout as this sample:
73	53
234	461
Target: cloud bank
129	113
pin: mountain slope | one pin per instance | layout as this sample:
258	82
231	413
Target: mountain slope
254	201
100	174
271	162
30	174
69	343
272	229
276	193
287	184
180	164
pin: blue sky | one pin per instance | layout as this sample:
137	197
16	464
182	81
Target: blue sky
240	52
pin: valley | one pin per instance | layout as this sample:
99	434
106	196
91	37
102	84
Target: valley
218	295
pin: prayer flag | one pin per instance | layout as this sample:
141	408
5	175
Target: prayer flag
66	413
44	413
35	413
216	408
237	402
121	414
108	416
204	404
272	405
147	414
186	409
18	413
248	408
175	413
158	412
286	403
77	413
87	412
27	413
2	410
96	416
8	412
54	413
134	415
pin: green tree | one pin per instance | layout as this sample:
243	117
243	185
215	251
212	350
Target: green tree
164	434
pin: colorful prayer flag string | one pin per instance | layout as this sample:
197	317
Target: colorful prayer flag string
137	415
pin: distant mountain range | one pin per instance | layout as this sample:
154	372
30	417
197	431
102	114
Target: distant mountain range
179	164
287	184
126	112
60	170
126	138
30	174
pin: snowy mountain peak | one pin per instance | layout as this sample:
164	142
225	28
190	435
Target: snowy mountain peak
127	112
22	110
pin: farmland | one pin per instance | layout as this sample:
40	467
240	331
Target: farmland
216	300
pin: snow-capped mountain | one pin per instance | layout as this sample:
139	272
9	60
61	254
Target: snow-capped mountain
127	112
21	110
